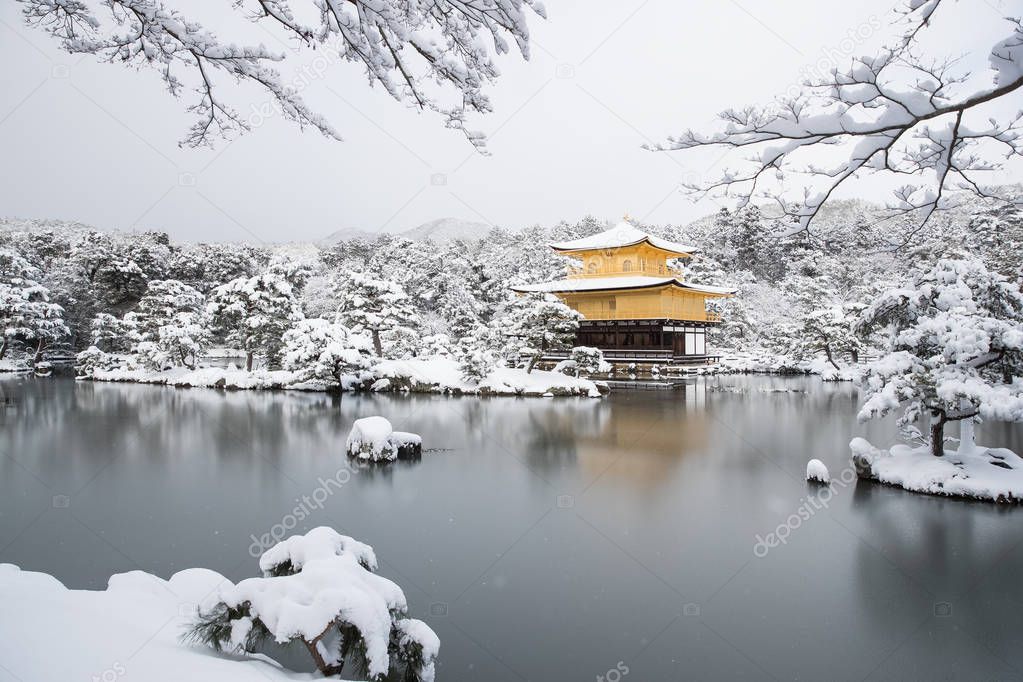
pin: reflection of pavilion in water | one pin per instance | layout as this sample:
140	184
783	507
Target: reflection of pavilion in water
636	436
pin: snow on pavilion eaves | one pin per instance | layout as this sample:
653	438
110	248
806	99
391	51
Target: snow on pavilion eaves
612	283
621	235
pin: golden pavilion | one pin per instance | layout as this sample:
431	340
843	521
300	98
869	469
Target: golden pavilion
634	306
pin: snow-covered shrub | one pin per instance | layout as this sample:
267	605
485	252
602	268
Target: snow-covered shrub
320	589
954	350
587	361
325	351
373	439
151	356
114	334
91	359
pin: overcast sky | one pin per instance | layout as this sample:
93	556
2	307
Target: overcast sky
94	142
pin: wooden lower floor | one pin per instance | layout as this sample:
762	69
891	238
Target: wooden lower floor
675	338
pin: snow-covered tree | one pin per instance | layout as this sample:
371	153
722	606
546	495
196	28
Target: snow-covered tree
113	334
586	361
163	302
934	123
375	305
321	590
207	266
325	351
26	312
183	339
252	314
477	355
822	324
954	350
421	53
541	323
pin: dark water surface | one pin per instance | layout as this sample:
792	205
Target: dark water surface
551	539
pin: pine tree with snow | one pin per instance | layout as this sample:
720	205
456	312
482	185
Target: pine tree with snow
541	323
26	313
373	305
162	303
824	325
954	350
477	356
587	361
321	590
324	351
113	334
252	314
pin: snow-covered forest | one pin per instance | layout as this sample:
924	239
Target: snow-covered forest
168	304
113	297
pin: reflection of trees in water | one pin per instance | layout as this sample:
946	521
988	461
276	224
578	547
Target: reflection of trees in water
952	549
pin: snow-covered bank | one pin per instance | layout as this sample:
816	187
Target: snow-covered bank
752	362
15	366
994	474
434	375
129	631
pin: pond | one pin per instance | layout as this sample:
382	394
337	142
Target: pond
647	536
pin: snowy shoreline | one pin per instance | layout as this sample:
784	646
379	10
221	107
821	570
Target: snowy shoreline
436	375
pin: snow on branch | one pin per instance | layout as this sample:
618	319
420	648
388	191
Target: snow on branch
418	51
898	113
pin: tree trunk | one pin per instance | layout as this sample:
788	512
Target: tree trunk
38	357
831	359
321	665
248	361
377	346
938	435
855	355
532	363
3	348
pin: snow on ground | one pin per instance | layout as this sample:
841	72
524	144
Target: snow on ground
994	474
750	362
128	632
509	381
432	375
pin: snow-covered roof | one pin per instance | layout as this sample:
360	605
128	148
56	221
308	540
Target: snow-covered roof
622	234
611	283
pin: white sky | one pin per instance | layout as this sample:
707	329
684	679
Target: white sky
87	141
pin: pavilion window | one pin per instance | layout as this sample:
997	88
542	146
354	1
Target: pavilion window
627	265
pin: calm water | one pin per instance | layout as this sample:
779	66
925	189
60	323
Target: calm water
549	539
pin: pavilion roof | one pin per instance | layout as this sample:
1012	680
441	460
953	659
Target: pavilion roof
622	234
614	283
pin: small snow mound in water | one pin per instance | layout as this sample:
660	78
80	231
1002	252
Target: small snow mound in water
374	439
816	471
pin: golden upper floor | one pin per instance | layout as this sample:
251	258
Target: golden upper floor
621	251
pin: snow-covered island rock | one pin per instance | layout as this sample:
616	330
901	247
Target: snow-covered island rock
993	474
816	471
373	439
133	629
